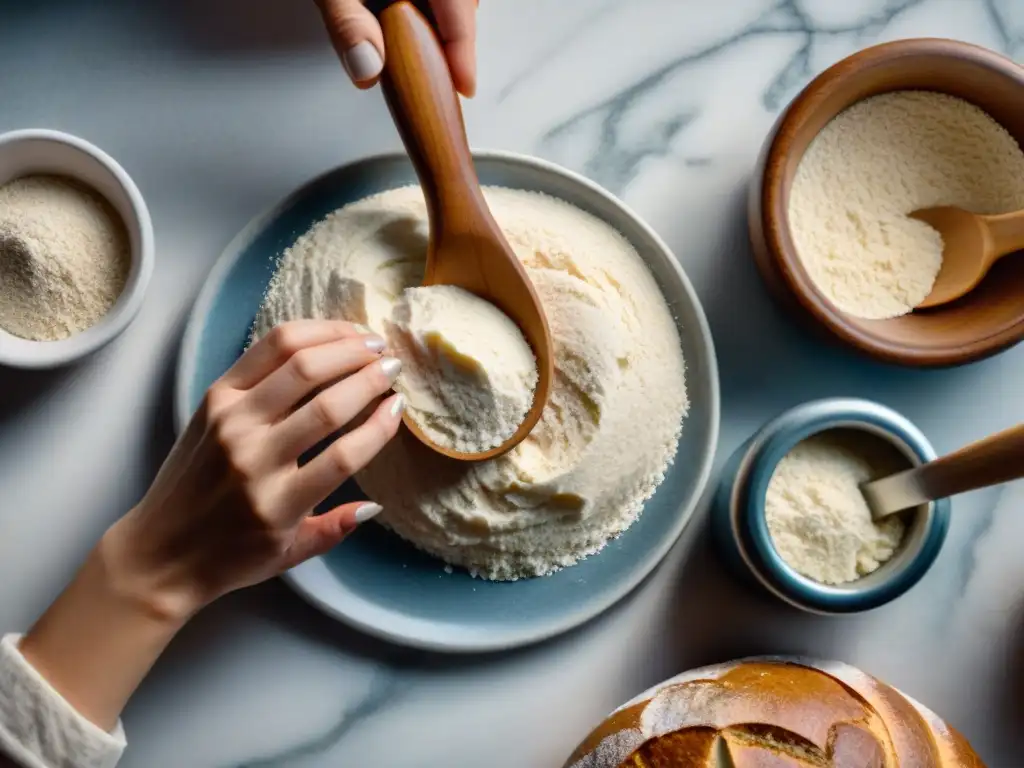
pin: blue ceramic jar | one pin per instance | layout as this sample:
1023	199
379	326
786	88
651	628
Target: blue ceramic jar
741	529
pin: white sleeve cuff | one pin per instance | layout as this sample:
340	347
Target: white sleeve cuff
39	729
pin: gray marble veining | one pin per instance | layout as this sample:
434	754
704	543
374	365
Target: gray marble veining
614	161
386	689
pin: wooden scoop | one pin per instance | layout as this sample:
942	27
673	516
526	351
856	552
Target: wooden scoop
994	460
467	248
972	244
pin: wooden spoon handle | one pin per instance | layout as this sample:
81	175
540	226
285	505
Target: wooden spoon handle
993	460
420	93
1007	233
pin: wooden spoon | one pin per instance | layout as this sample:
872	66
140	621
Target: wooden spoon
467	248
994	460
972	244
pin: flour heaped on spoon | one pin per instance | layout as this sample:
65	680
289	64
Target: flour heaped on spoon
468	375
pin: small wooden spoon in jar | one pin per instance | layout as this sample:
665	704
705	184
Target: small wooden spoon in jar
467	248
971	245
996	459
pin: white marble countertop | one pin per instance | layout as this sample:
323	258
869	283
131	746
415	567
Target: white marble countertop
220	107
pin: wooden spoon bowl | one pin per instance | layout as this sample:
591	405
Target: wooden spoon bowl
987	320
971	244
467	247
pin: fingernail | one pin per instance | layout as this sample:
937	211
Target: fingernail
362	61
398	406
374	343
391	366
368	511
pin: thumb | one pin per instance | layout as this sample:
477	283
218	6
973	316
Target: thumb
357	38
317	535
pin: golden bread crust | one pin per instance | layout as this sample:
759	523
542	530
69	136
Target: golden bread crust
774	713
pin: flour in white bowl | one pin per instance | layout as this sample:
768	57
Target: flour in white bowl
873	164
64	257
612	421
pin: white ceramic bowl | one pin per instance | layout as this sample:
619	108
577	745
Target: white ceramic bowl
35	151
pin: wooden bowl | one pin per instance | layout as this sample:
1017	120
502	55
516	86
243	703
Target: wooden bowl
986	321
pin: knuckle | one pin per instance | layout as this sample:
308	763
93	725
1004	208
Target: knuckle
285	340
304	366
264	512
325	412
342	461
231	443
218	398
268	503
347	20
237	462
239	465
224	432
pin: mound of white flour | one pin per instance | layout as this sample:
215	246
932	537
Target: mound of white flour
618	399
878	161
468	374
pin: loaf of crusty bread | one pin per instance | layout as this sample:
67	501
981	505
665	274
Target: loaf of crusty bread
774	712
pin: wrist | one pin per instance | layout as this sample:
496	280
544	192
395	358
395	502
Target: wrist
98	639
132	577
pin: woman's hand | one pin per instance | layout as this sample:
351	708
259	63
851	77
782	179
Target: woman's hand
229	508
360	43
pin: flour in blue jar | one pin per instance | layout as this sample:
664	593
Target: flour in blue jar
818	519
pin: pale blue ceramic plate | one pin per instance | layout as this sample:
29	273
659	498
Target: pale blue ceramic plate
375	581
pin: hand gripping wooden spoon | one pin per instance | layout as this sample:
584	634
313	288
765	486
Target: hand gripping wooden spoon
467	248
971	245
994	460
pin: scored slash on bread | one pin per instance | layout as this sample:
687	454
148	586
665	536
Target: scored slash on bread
774	712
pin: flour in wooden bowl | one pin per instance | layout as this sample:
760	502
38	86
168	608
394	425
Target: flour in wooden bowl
614	416
873	164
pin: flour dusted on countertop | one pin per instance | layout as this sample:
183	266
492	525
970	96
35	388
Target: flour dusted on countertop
878	161
614	415
468	373
64	258
817	516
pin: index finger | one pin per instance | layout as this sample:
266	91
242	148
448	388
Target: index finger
456	23
277	347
